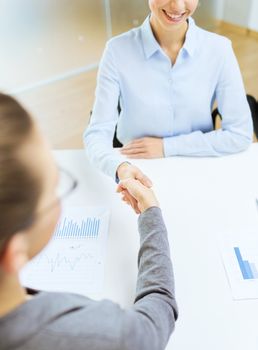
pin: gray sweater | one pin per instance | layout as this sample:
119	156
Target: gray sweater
61	321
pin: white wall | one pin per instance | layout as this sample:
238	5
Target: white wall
207	11
253	18
237	11
240	12
219	9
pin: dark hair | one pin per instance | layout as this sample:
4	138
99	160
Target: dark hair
19	188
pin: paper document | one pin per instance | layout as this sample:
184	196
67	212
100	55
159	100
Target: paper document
73	261
240	258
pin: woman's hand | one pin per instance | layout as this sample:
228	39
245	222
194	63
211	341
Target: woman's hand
127	171
144	196
147	147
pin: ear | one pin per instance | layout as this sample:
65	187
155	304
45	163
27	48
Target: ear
15	255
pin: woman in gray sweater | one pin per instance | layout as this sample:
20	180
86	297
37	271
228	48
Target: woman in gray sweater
29	211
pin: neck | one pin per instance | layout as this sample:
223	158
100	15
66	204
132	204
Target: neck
12	294
169	38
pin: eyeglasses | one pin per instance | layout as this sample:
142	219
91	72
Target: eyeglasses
66	185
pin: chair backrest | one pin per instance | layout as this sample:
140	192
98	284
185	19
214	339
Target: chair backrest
253	104
254	110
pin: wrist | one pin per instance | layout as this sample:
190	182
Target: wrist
150	208
148	201
122	169
147	205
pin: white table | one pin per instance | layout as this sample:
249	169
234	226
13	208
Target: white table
200	198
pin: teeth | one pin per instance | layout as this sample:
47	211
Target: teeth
174	16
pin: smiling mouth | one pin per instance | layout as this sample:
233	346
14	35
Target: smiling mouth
174	18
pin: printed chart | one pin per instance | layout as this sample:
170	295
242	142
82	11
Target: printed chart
73	261
248	268
240	258
88	228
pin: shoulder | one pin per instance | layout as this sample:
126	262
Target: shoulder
213	41
125	41
125	48
97	325
90	317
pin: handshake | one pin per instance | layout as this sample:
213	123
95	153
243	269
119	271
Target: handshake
135	188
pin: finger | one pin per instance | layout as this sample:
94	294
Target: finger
135	186
140	176
124	195
132	201
132	150
127	202
120	188
126	199
140	155
122	185
145	180
132	147
133	143
134	205
137	210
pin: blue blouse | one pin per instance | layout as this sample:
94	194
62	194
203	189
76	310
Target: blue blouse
173	102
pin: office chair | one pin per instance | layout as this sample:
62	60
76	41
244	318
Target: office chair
253	104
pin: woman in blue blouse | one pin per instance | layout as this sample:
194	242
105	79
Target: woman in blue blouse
166	75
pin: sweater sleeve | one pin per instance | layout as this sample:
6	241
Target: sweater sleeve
150	322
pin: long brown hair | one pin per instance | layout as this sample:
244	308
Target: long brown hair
19	189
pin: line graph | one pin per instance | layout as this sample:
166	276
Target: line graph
63	262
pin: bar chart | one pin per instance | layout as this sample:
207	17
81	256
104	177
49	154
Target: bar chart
239	254
69	228
248	269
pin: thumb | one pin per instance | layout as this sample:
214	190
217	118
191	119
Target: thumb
133	186
143	179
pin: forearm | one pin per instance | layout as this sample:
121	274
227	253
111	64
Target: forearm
150	322
100	152
155	268
98	137
212	144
